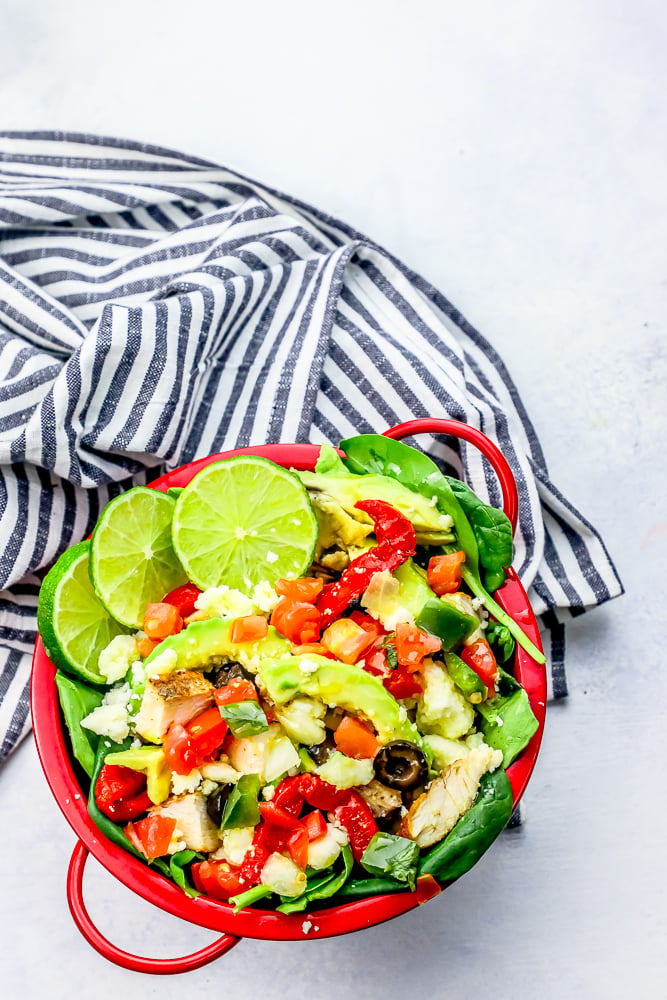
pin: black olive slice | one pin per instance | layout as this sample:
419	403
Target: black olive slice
401	765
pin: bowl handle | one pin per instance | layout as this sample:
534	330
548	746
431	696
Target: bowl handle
153	966
491	451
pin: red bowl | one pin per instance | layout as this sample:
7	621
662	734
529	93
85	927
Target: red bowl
54	752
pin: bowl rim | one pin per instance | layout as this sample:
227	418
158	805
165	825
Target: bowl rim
53	749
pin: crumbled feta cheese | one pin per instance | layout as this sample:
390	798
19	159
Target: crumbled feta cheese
224	602
183	783
268	792
433	502
264	597
111	718
445	521
307	666
207	787
115	659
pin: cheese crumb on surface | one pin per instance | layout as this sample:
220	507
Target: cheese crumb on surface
182	783
306	926
111	718
115	659
224	602
264	597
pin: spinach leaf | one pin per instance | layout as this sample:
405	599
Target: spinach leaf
78	700
390	855
414	469
475	831
321	885
358	887
493	532
106	825
244	718
177	870
507	720
500	637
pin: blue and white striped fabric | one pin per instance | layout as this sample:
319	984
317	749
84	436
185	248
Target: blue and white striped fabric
155	308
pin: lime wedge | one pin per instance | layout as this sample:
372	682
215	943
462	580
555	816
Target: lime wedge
243	520
132	561
73	625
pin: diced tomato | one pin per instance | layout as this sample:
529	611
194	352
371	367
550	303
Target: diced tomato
347	640
375	661
162	620
412	645
368	623
238	689
183	599
154	833
314	648
444	573
297	845
186	747
427	888
146	645
297	620
250	628
216	879
315	824
307	588
402	683
275	815
479	656
354	739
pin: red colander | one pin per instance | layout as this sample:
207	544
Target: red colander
53	748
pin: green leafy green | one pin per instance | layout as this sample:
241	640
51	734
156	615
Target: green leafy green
359	887
493	531
321	885
78	700
501	639
376	453
390	855
177	869
507	720
110	829
475	831
241	807
244	718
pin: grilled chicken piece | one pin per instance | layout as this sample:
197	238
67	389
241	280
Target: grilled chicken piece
438	810
176	697
381	800
193	823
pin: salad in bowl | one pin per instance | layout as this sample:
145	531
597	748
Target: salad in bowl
290	689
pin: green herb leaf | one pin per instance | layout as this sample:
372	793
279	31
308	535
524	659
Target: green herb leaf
390	855
244	718
241	807
177	870
507	720
78	700
500	637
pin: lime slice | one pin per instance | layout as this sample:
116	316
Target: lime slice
132	560
73	625
244	520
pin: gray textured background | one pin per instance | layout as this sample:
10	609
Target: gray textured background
515	155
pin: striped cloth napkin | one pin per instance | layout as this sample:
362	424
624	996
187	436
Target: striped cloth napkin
155	308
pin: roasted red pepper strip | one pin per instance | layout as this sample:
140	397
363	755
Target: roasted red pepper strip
120	793
356	817
183	598
396	543
251	870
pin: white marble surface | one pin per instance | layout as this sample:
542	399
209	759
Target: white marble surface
515	155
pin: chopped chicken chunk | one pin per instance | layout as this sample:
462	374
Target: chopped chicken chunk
438	810
176	697
381	800
193	824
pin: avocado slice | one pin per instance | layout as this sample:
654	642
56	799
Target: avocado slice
342	684
153	762
199	645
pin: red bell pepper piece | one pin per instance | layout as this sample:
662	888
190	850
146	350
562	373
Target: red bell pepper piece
120	793
275	815
183	599
357	819
289	794
396	543
315	824
251	870
426	888
297	845
216	879
402	683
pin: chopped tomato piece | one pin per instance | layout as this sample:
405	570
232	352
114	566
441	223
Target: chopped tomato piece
368	623
402	683
238	689
444	573
297	845
186	747
146	645
314	648
347	640
183	599
154	834
412	645
162	620
298	621
250	628
427	888
315	824
354	739
479	656
307	588
216	878
375	661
